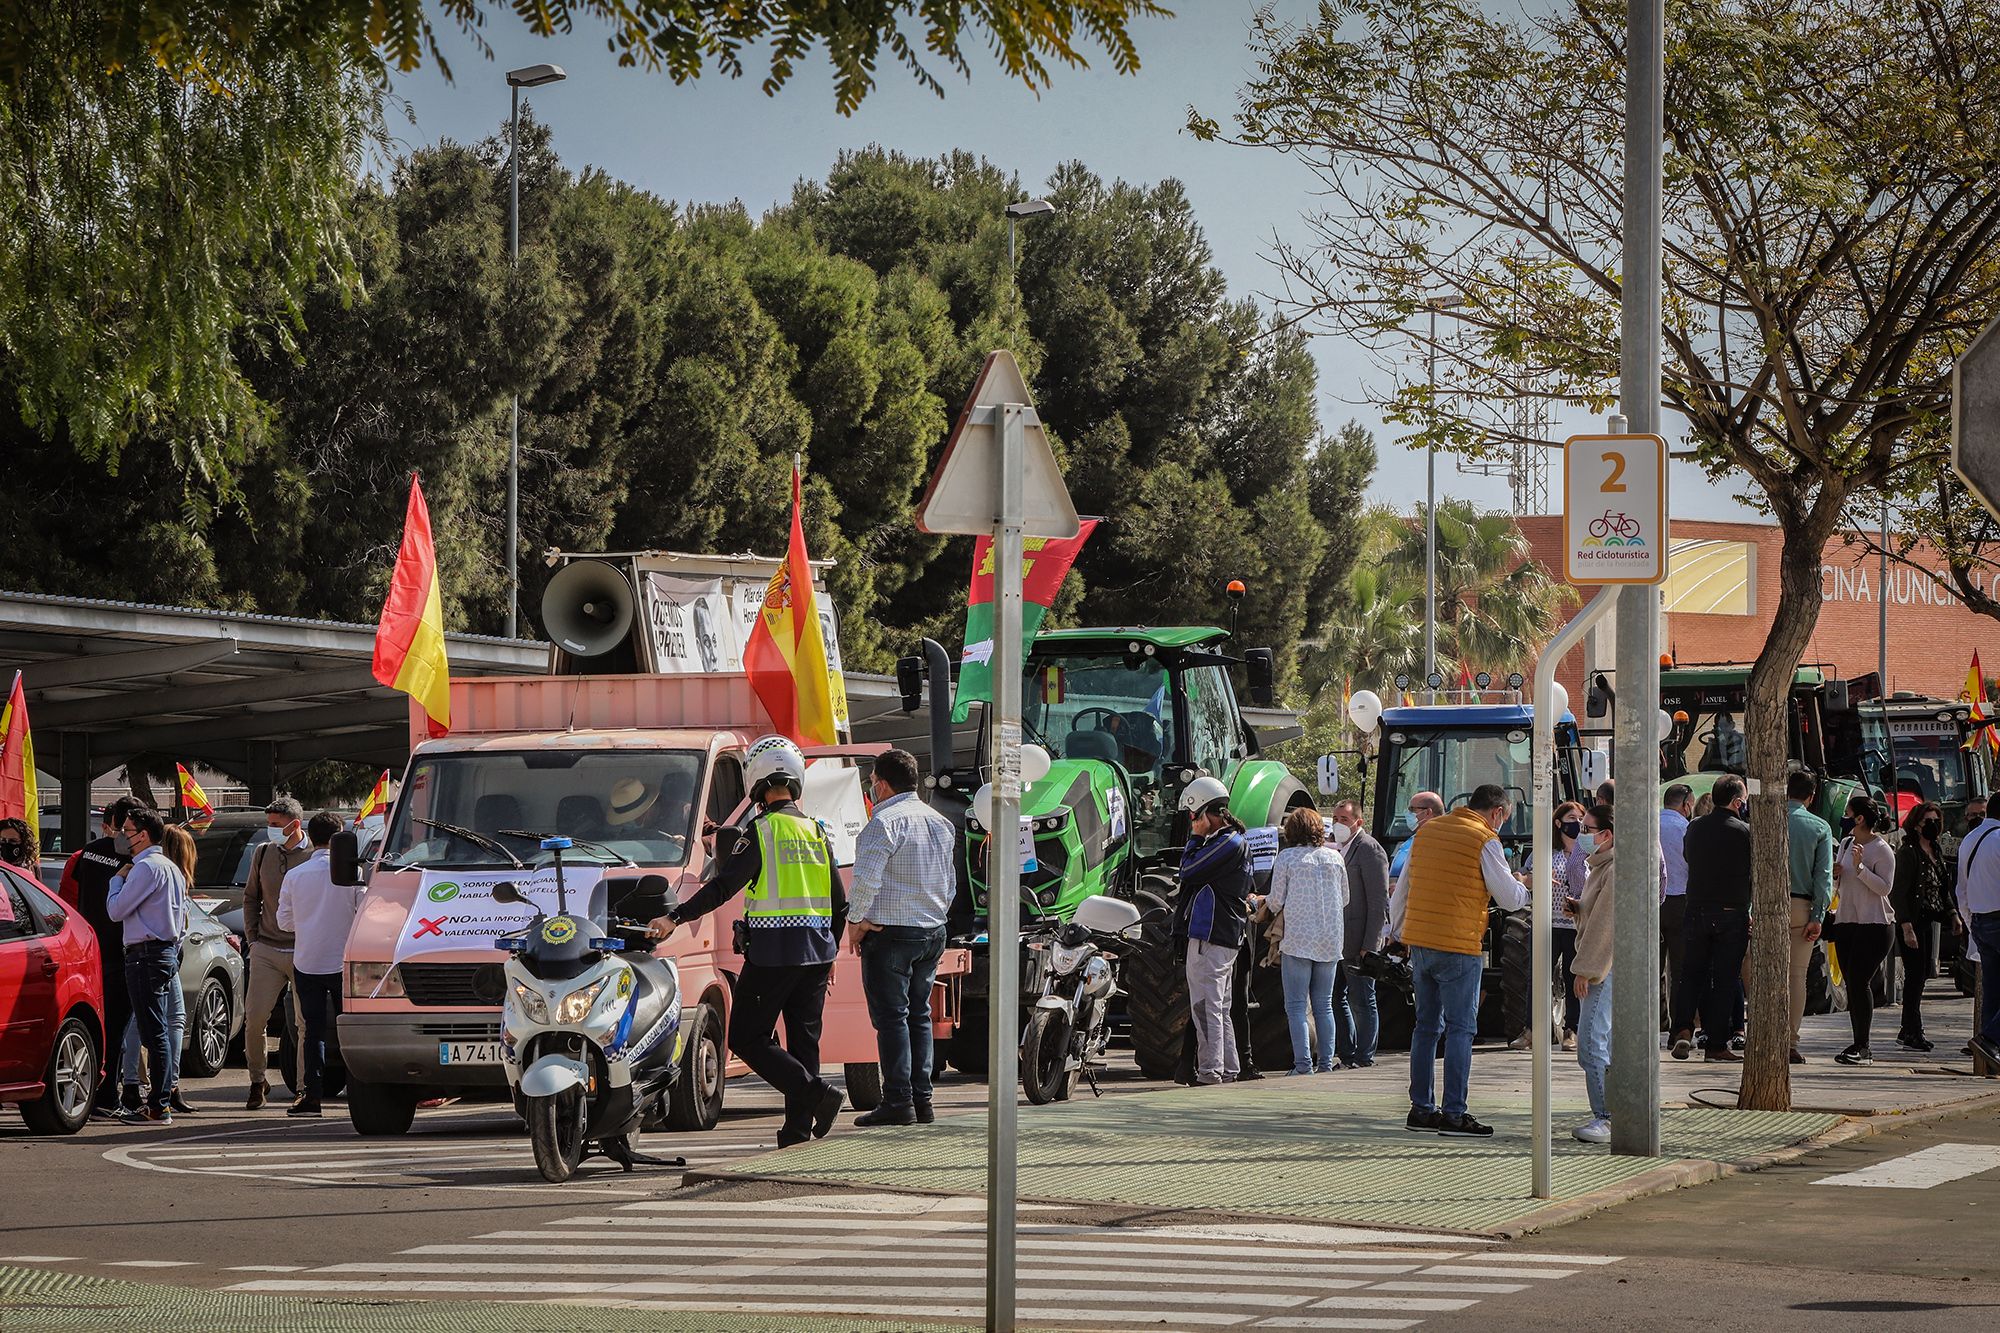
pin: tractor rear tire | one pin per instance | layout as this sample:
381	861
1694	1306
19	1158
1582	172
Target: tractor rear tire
1155	981
1396	1010
1517	996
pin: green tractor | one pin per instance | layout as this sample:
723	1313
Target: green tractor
1129	717
1706	705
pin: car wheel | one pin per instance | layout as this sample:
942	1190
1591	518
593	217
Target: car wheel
208	1031
864	1085
694	1100
381	1109
71	1081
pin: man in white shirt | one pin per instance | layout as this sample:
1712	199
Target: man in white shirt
1979	906
318	913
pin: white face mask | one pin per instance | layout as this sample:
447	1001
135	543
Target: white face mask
1340	833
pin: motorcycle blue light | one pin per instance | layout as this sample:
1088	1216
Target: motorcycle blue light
607	945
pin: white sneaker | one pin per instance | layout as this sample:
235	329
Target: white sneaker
1597	1131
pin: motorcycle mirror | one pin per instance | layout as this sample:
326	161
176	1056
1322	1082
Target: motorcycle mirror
507	892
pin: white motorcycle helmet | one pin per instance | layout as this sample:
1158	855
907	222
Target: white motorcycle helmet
1203	792
774	759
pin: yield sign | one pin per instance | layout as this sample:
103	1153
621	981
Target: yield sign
1975	417
964	494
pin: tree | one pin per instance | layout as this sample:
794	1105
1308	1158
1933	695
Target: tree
1832	219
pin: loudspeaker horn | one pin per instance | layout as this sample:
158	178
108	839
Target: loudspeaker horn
587	608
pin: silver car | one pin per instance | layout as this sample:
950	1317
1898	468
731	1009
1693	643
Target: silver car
213	991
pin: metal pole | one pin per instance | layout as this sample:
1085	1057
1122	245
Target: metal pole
1013	287
1634	1080
1003	912
1431	526
1882	616
514	426
1541	980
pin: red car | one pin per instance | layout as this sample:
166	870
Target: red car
51	1007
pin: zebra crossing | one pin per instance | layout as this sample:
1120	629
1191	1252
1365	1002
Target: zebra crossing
477	1151
899	1256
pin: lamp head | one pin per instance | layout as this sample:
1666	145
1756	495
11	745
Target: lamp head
534	76
1030	208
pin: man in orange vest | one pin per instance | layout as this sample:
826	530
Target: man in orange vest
1438	909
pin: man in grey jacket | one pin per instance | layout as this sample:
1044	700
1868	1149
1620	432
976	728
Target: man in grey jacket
270	947
1356	1018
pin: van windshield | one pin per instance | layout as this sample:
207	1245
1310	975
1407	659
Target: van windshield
620	805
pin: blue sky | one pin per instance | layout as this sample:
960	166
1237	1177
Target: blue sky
722	139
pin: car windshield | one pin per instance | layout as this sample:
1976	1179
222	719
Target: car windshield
1928	760
1452	764
1110	708
620	805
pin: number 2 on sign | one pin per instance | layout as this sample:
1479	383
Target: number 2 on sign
1617	461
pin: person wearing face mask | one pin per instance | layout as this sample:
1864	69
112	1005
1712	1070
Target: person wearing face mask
86	886
271	947
1309	885
1568	872
18	846
1357	1021
152	904
1716	933
1424	807
1591	973
1921	901
1863	925
1811	854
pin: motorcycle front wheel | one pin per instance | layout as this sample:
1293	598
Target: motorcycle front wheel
1045	1070
557	1126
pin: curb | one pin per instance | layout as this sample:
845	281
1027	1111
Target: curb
1662	1179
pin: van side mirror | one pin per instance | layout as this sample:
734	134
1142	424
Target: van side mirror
910	682
1260	664
1600	698
344	856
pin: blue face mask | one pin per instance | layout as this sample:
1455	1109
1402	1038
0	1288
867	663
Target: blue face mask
1587	843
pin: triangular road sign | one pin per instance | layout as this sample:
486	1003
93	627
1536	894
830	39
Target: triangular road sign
964	494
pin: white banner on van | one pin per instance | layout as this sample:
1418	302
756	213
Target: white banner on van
833	797
691	625
455	911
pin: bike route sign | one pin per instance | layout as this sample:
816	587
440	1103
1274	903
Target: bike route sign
1615	509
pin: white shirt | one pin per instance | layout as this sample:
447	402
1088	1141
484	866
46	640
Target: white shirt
1979	874
1509	893
1309	885
318	912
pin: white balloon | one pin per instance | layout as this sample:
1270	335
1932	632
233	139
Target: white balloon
982	803
1558	699
1666	724
1364	710
1035	763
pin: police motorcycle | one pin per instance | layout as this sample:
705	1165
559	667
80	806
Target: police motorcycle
1072	976
590	1040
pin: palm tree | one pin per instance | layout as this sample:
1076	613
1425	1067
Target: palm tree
1496	606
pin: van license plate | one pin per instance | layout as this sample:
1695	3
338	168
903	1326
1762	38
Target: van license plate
468	1052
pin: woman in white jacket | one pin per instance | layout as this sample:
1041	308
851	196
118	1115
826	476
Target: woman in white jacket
1863	927
1309	885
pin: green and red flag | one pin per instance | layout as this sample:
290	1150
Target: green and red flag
1045	563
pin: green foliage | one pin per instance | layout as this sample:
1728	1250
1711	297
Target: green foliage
225	41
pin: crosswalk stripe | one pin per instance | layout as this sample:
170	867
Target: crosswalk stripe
1080	1302
149	1263
1291	1321
1490	1288
1925	1169
1494	1270
681	1248
792	1269
1578	1260
268	1268
38	1259
1365	1302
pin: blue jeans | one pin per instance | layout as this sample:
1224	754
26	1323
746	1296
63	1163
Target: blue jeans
176	1023
1309	991
898	967
1986	934
1593	1044
152	978
1356	1020
1447	986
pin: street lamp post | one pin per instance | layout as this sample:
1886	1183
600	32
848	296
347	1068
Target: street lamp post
1025	209
531	76
1435	304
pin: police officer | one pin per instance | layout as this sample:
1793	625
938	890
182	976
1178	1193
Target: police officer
794	909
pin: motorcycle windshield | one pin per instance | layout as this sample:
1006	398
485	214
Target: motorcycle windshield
558	947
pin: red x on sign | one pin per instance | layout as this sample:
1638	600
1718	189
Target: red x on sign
427	926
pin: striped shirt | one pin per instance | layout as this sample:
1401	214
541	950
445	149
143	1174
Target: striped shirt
904	865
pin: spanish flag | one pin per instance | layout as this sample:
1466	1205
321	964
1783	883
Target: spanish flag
409	640
786	655
1975	690
19	798
193	799
378	798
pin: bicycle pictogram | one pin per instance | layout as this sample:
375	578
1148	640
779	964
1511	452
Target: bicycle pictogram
1615	525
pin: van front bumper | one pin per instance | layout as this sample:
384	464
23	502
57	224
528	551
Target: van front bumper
408	1049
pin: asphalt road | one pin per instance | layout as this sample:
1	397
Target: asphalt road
1778	1249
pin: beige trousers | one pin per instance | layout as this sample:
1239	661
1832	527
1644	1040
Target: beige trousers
1801	956
270	974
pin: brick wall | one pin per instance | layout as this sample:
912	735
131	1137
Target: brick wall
1931	633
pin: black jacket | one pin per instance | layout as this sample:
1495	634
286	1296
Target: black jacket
1717	848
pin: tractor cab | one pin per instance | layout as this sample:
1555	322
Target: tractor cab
1453	749
1705	737
1907	749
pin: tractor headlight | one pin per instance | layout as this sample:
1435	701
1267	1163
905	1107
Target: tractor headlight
1048	897
530	1002
576	1005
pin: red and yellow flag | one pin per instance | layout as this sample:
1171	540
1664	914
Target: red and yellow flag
378	798
193	799
786	655
409	640
19	797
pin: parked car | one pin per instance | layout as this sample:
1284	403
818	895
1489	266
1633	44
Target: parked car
51	1007
214	988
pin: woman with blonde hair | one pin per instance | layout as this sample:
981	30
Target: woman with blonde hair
1309	886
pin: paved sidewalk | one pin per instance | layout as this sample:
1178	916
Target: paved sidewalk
1332	1147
